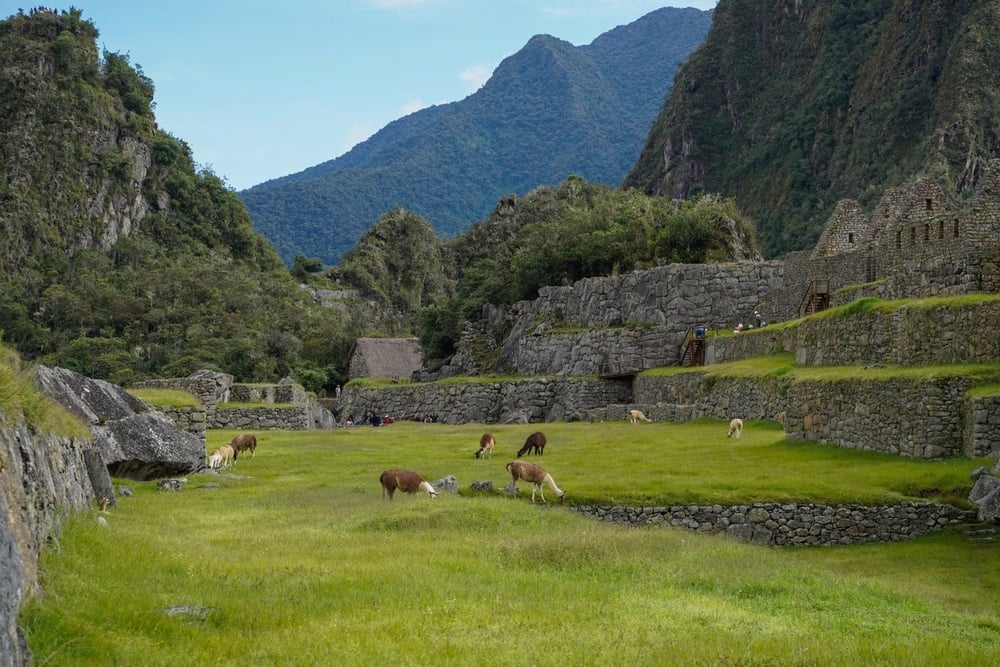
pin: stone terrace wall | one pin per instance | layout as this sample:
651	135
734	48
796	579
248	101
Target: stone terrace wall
291	407
529	400
665	301
268	393
293	417
583	353
909	336
945	275
792	524
919	419
981	426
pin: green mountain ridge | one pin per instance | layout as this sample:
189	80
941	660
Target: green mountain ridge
548	111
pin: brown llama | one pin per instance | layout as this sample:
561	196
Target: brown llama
244	442
536	474
535	441
405	480
486	445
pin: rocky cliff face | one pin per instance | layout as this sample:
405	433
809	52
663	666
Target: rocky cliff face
76	158
44	479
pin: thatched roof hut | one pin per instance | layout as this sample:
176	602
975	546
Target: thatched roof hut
395	358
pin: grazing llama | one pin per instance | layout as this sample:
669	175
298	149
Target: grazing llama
635	416
486	445
244	442
736	428
535	441
215	459
223	457
404	480
534	473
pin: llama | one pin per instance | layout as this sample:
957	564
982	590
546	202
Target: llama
634	416
536	474
535	441
736	428
215	459
782	417
406	480
486	445
244	442
223	457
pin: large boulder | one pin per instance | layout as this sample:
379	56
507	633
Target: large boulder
135	441
986	495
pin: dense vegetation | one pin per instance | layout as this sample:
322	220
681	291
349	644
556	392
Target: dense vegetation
551	236
790	109
556	236
296	560
93	282
550	110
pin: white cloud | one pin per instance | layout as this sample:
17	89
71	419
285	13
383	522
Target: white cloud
476	76
355	135
416	104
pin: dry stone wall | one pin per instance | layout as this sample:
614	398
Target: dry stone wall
520	401
640	314
291	407
916	418
793	524
908	336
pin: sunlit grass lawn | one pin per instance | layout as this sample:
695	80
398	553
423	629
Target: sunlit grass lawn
296	560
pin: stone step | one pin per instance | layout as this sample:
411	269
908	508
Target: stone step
981	533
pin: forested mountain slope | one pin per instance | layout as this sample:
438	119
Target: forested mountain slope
790	106
550	110
117	258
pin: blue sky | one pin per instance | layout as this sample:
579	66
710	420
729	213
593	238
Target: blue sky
261	89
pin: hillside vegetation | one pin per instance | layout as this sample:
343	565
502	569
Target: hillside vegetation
550	110
552	236
790	107
119	259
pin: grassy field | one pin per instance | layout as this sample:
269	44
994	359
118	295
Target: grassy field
294	559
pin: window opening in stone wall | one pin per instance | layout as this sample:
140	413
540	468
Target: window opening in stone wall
941	229
913	235
850	237
956	229
899	239
930	204
927	233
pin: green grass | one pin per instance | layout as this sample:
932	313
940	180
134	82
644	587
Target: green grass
159	397
296	560
20	399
